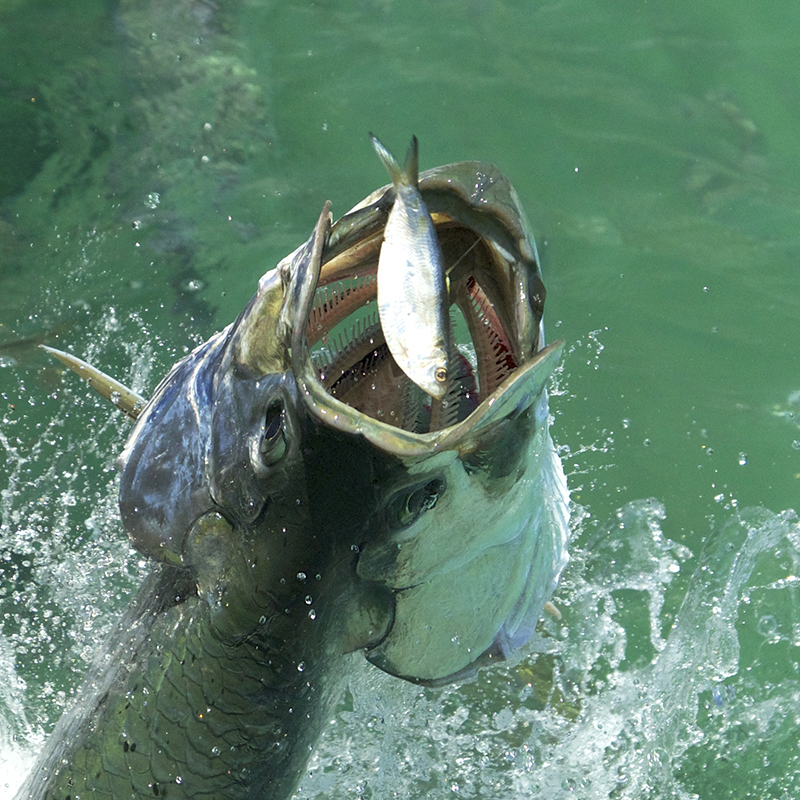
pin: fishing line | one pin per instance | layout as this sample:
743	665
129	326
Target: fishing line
463	256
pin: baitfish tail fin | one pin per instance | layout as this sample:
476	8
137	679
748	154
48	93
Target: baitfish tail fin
126	400
408	174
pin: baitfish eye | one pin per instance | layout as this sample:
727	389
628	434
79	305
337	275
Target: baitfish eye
273	442
407	508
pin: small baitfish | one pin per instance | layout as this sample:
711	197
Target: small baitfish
412	287
304	504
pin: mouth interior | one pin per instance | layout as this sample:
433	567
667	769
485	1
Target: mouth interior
349	351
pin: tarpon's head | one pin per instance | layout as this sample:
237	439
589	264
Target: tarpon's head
306	481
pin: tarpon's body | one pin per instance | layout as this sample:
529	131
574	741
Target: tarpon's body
304	502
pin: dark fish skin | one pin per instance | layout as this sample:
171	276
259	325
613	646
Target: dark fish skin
291	533
203	702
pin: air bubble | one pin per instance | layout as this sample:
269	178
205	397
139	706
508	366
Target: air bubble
767	626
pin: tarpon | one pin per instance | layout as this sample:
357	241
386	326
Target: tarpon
302	501
412	286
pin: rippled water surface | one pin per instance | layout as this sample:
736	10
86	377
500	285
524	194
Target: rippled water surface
166	153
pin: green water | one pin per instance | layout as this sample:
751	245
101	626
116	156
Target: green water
158	157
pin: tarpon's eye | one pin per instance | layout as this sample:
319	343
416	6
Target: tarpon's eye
273	442
409	507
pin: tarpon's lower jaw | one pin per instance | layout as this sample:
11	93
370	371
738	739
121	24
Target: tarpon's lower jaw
495	299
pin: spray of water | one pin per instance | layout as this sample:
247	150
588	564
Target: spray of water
624	705
659	680
65	568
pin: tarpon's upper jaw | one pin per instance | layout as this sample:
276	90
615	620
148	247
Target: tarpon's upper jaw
495	296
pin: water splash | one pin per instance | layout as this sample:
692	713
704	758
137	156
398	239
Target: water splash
659	680
625	705
65	568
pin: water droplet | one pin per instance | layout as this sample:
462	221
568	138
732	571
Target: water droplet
312	614
742	459
301	576
301	666
308	600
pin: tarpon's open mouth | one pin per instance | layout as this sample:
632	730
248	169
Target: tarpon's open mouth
349	349
495	300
